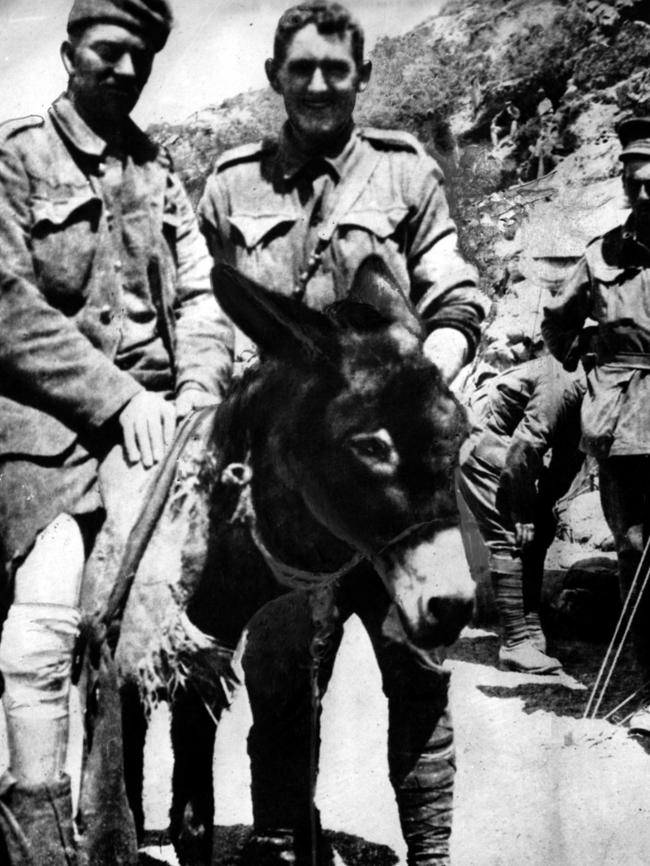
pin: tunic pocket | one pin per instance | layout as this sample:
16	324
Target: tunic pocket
64	238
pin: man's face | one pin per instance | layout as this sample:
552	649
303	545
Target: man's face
636	182
107	66
319	81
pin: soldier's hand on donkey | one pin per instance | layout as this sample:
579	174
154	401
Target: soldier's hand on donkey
190	398
148	422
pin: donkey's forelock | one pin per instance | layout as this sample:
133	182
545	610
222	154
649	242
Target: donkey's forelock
362	318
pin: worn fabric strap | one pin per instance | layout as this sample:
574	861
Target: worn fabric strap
632	360
350	192
286	575
146	522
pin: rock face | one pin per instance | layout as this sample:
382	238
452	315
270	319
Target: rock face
525	206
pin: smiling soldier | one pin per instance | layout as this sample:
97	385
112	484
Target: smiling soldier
299	212
109	333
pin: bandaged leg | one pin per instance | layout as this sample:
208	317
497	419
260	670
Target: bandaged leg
36	653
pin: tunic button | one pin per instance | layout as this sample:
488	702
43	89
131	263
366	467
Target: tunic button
105	315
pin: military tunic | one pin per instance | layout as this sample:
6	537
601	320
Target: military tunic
263	211
265	204
611	286
100	295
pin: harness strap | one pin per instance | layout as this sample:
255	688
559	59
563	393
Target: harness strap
349	194
631	360
286	575
145	524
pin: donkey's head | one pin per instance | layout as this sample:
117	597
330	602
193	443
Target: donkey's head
362	429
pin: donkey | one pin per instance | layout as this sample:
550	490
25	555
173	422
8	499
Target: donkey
341	444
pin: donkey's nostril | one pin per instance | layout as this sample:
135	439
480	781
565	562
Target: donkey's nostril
451	614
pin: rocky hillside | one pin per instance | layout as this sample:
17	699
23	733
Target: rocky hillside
447	79
527	205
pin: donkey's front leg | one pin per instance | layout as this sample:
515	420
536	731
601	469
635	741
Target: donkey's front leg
134	732
192	811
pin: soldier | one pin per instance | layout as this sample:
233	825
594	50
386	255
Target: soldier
109	333
299	212
610	286
519	416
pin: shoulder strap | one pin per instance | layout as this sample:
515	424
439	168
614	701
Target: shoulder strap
350	192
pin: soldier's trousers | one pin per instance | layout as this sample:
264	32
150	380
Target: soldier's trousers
420	738
625	498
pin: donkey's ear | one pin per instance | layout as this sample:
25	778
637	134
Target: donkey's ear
278	325
375	284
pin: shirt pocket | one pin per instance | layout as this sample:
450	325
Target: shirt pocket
266	248
261	229
380	223
64	240
376	231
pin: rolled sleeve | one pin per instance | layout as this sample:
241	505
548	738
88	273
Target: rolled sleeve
443	285
565	315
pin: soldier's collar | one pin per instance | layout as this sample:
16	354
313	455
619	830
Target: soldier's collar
293	159
633	247
84	139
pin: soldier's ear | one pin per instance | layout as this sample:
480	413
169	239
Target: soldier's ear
364	75
67	56
271	69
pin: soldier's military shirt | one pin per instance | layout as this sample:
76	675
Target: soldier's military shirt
104	282
265	204
104	289
611	286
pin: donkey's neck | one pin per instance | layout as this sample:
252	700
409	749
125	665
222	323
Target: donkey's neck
288	529
260	417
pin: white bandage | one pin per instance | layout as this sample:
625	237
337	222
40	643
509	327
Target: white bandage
36	658
51	573
36	652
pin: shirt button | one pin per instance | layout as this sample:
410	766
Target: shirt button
106	315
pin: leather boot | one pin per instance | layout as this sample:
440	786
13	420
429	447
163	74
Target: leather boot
288	847
36	822
518	652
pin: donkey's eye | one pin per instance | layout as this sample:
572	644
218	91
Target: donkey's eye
375	448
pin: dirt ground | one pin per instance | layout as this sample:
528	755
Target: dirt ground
536	783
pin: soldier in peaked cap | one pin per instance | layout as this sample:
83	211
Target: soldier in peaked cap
299	212
110	333
611	285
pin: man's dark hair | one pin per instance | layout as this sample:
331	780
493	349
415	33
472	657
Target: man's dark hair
329	17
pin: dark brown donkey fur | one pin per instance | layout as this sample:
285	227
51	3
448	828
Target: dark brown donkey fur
353	440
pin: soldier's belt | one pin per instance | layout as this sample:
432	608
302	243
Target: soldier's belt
632	360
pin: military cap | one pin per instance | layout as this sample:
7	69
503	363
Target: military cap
151	18
634	134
